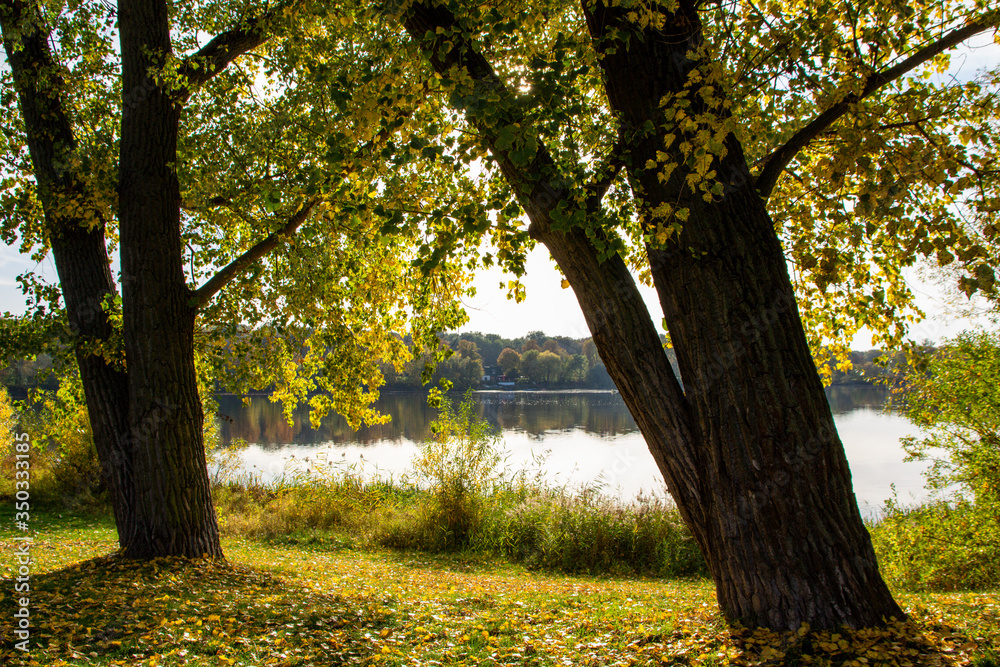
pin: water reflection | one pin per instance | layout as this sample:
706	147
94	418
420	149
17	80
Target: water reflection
589	436
601	413
848	398
537	413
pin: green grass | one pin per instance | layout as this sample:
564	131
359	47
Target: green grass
281	603
541	527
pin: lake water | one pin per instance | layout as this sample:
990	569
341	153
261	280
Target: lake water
587	437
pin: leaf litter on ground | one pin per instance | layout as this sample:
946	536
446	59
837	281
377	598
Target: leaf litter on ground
279	604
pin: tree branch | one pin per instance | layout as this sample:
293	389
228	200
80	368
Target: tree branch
204	294
611	167
776	162
536	182
224	48
209	203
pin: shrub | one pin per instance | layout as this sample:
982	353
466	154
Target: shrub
461	465
937	546
957	401
8	421
952	542
64	465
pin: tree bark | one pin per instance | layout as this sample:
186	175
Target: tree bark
174	511
785	540
75	230
748	447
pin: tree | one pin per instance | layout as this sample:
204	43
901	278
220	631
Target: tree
955	398
685	141
97	152
574	368
549	365
552	345
74	227
509	360
590	351
468	349
708	116
530	366
461	371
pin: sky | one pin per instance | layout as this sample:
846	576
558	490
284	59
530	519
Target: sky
554	310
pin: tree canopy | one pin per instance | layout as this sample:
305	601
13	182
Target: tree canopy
297	245
869	153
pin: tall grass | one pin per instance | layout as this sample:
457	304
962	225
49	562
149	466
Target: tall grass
460	497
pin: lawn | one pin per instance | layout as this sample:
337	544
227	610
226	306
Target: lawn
275	603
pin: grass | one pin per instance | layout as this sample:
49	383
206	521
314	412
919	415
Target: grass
313	604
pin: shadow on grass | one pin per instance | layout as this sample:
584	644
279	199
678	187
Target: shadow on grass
110	610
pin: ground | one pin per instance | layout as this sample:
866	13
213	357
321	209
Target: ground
294	604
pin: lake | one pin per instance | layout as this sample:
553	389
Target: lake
587	437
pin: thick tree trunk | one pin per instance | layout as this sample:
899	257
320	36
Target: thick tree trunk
85	277
748	448
174	512
76	232
784	538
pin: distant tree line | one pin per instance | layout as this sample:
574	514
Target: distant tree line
874	366
479	359
533	360
538	359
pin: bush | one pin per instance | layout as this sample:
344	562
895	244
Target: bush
461	466
64	465
952	542
937	546
8	421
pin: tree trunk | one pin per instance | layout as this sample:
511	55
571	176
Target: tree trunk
85	277
748	447
174	512
784	539
76	232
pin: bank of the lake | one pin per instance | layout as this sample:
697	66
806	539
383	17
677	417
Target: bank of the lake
587	437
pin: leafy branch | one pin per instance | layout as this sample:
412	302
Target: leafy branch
204	294
610	169
774	164
226	47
